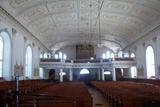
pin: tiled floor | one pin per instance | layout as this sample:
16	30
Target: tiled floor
98	98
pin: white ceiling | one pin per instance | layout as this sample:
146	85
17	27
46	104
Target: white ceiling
57	23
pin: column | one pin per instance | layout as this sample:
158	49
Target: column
61	75
102	74
99	73
70	74
114	74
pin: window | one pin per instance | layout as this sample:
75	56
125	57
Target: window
112	55
108	54
1	56
125	55
41	55
5	50
150	64
45	55
41	72
56	56
60	55
133	55
103	56
28	62
133	69
64	56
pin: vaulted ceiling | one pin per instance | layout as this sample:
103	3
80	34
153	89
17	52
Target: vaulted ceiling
57	23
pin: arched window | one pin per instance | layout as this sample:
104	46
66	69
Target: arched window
60	55
112	55
133	55
108	54
133	69
125	55
56	56
41	55
45	55
64	56
1	56
103	56
28	62
150	63
5	56
41	73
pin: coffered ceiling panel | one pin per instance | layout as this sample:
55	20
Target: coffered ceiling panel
57	23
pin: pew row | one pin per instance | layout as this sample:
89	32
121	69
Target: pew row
129	94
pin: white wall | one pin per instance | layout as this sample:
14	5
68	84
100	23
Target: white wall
139	48
70	51
19	39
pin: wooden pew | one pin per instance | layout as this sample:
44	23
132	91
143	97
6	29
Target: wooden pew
8	89
72	89
129	94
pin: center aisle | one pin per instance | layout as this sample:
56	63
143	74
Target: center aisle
98	99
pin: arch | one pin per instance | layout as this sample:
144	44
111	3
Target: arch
84	71
150	62
132	55
6	65
28	62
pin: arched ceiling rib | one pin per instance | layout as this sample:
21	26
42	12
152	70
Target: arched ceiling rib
55	21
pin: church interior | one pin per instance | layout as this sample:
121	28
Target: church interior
79	53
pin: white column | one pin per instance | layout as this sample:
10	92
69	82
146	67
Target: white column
61	76
103	74
70	74
114	74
